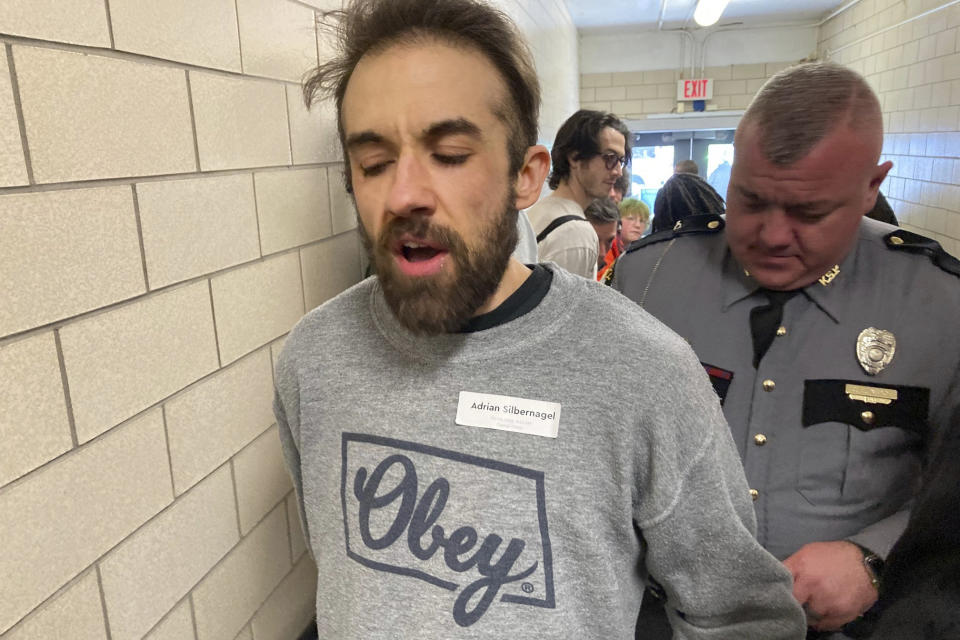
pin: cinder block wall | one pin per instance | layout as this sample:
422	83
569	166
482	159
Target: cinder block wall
913	63
168	210
638	94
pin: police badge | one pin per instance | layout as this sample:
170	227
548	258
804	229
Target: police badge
875	349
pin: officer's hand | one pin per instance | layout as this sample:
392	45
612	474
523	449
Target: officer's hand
831	582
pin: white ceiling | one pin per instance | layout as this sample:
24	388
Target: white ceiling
615	15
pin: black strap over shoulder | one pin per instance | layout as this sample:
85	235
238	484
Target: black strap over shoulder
554	224
691	225
901	240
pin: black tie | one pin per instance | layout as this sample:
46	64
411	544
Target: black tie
765	320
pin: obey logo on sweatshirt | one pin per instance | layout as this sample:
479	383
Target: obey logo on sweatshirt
472	526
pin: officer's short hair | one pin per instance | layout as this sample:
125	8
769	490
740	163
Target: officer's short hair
602	211
371	26
799	106
635	208
578	136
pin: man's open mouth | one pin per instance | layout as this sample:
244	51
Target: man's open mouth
416	252
419	257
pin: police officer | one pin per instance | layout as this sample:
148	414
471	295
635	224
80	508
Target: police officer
830	338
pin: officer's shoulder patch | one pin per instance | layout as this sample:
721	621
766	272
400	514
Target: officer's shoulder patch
902	240
691	225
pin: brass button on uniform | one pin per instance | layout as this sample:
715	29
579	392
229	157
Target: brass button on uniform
868	417
769	385
896	240
782	331
759	439
713	224
754	494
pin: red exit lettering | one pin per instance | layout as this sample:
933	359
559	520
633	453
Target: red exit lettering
694	88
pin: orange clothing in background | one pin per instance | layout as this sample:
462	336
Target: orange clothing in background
610	258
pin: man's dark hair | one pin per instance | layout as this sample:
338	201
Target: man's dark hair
578	136
371	26
601	211
623	184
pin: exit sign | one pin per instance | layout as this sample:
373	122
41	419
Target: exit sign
699	89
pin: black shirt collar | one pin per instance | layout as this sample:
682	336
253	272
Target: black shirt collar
522	301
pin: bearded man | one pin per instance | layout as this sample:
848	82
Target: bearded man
457	474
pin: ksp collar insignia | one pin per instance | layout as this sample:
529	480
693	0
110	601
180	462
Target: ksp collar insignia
829	276
875	349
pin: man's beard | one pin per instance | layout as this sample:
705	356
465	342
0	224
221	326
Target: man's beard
443	303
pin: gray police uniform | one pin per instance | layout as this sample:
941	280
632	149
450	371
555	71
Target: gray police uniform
831	450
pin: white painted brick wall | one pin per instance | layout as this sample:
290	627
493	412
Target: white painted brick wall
211	421
74	613
75	509
34	427
13	167
124	118
121	361
73	21
293	207
256	303
178	625
149	572
230	594
199	32
197	226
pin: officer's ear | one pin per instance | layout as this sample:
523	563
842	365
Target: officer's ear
536	164
877	176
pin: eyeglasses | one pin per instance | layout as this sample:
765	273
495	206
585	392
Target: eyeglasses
610	160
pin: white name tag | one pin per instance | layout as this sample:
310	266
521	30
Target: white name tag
489	411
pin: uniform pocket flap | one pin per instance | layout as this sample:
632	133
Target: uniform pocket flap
865	406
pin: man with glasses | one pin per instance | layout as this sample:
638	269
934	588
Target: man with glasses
589	155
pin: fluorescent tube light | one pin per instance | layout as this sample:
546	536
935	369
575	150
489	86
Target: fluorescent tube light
709	11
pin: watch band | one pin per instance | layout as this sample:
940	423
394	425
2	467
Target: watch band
873	564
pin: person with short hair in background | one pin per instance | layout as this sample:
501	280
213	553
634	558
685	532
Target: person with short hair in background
681	196
589	155
830	337
603	214
620	188
634	217
687	166
457	474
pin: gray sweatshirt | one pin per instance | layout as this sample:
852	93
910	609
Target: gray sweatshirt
426	523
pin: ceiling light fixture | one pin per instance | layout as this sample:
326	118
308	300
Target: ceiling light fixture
709	11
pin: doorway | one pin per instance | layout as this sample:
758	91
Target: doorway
655	154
